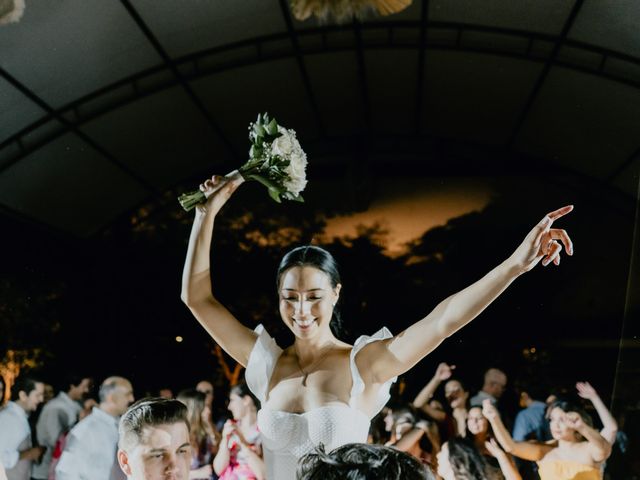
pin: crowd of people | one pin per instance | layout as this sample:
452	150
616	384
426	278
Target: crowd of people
308	408
443	433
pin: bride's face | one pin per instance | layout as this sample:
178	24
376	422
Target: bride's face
307	300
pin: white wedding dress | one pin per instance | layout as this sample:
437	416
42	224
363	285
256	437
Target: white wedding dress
288	436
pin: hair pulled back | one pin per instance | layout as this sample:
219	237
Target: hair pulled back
316	257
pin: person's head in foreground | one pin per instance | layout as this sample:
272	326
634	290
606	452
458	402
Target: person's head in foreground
154	440
459	458
361	461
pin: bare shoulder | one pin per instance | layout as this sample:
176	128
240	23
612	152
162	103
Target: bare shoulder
550	450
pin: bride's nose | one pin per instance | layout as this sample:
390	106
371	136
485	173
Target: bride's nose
303	308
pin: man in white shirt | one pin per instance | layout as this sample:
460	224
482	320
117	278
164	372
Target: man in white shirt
16	449
57	417
154	440
90	450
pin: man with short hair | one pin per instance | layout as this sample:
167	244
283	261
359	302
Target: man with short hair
154	440
495	383
57	417
16	449
90	449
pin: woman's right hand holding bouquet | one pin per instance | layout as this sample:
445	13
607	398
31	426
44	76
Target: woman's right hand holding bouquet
218	189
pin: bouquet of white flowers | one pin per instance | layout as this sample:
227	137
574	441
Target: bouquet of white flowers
276	160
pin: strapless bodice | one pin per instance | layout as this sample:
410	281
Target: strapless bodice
567	470
288	436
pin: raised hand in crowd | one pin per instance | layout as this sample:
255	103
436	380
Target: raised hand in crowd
422	400
609	424
507	466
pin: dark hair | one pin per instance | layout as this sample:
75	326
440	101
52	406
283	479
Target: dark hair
406	412
242	390
568	406
489	427
361	461
535	387
447	404
467	462
149	412
313	256
4	390
377	432
23	384
72	379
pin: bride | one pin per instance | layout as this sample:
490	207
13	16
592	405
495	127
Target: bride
322	390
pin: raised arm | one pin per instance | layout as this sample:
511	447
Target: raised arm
507	467
599	448
223	457
384	360
525	450
443	372
609	424
236	339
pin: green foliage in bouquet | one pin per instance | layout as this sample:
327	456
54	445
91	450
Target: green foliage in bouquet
276	160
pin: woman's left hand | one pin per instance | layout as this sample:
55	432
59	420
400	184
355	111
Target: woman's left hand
241	438
574	421
493	448
585	390
543	243
489	410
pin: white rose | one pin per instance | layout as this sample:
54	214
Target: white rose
296	171
284	144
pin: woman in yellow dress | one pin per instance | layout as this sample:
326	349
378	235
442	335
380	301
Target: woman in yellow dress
576	452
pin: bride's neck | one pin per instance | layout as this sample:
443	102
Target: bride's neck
308	350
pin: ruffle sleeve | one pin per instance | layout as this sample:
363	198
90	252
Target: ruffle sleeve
262	361
358	382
